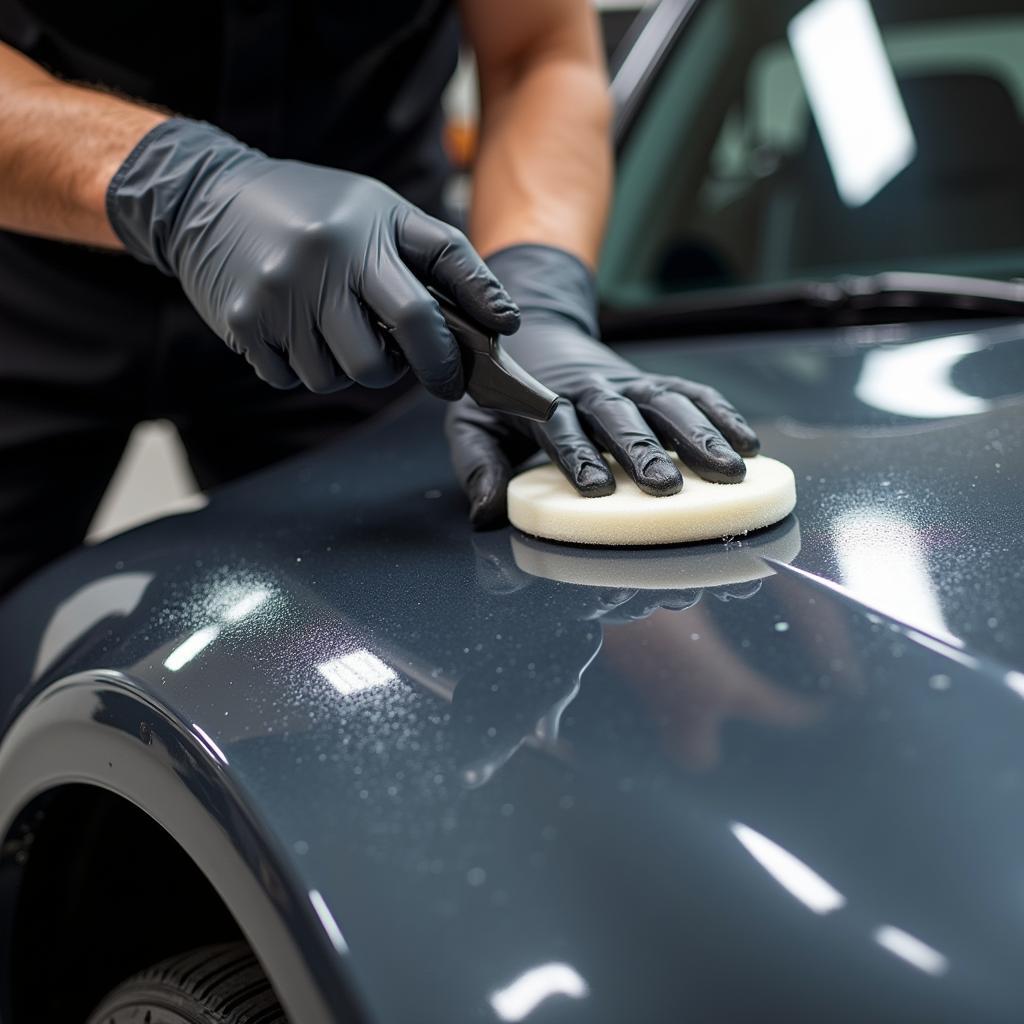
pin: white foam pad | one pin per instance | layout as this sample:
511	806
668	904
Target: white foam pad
543	503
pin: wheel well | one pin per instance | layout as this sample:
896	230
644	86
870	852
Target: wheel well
103	892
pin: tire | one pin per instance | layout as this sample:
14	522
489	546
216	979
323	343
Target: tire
212	985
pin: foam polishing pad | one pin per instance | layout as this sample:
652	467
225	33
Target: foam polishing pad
542	503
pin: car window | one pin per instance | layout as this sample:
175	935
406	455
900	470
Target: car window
745	165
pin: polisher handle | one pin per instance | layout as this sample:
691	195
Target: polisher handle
494	380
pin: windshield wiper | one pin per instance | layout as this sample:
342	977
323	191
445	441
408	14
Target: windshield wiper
848	300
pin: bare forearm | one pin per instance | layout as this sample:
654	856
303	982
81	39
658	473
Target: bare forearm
544	170
60	145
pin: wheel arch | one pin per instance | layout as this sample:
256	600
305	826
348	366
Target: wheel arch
97	743
80	923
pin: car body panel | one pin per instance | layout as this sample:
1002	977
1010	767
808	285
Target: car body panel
508	797
103	729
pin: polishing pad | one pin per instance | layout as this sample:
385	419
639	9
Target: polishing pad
543	503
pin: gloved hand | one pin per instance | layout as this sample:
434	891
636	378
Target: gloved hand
611	404
296	266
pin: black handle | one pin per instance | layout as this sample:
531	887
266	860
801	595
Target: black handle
493	379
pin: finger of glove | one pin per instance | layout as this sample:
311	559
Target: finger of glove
316	366
444	257
686	429
271	366
417	327
482	469
569	447
241	331
723	414
364	352
616	424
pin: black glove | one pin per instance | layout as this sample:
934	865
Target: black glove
314	275
612	405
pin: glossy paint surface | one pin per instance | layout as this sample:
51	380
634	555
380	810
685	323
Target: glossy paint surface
564	785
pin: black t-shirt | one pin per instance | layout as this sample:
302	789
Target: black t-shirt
353	84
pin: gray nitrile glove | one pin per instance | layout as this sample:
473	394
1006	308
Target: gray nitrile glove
610	404
313	274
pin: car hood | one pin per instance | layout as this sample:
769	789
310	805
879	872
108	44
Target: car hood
775	776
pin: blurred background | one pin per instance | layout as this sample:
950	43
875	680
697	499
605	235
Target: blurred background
154	478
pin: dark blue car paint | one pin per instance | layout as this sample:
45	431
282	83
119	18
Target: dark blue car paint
422	776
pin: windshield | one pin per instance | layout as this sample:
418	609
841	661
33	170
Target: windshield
792	140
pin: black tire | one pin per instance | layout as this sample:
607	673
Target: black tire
213	985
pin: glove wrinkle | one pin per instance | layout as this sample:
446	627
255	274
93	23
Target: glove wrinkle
608	404
259	244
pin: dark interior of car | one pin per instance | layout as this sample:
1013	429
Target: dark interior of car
783	216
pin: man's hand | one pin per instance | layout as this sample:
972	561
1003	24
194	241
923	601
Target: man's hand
540	193
610	404
314	275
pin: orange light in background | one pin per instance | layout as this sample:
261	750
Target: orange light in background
460	141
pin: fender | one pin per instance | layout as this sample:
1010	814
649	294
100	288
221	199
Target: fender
103	729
